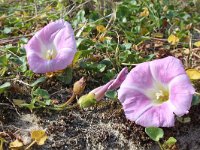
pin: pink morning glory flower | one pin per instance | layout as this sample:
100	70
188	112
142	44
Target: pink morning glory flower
154	92
52	48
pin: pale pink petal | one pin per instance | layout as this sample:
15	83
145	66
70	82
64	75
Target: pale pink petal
139	78
64	36
100	91
134	103
38	65
48	33
164	70
181	93
119	79
157	116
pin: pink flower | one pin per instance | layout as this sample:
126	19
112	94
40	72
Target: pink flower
153	92
111	85
52	48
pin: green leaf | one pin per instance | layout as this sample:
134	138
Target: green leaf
42	93
7	30
154	133
101	67
195	100
3	61
42	79
82	54
4	86
66	77
184	119
170	141
23	66
111	94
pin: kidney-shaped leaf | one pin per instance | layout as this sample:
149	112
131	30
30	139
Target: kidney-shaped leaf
154	133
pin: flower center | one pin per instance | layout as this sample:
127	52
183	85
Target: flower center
161	96
50	54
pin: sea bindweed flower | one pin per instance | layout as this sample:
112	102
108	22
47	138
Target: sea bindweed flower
153	92
52	48
98	93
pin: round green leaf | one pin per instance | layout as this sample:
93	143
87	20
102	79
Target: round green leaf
154	133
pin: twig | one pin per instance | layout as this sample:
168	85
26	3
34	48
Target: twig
22	82
13	105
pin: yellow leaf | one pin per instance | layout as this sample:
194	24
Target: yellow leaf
18	102
101	28
158	35
197	44
145	12
172	39
193	74
39	136
16	144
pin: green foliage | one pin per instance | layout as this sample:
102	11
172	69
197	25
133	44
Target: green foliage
66	76
167	145
40	99
195	100
111	94
154	133
4	86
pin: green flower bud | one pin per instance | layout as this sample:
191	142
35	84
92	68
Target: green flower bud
87	100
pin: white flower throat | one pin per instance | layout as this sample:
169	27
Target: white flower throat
158	94
50	54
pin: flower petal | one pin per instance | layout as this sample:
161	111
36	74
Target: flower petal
139	77
99	92
166	69
38	65
119	79
134	103
48	33
65	39
181	93
157	116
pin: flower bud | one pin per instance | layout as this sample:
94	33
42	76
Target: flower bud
79	86
87	100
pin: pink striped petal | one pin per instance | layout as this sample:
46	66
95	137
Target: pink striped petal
119	79
181	93
139	77
164	70
134	103
157	116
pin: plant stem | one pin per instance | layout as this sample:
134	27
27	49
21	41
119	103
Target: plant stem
69	101
28	147
160	145
197	93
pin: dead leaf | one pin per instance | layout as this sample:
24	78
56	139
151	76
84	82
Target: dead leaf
39	136
193	74
100	28
18	102
158	35
16	144
197	44
145	12
173	40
